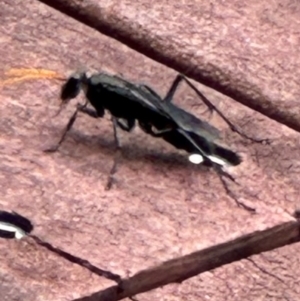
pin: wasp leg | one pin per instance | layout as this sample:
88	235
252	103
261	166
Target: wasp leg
91	112
117	154
68	127
127	126
211	107
148	128
178	79
88	111
220	172
80	108
214	108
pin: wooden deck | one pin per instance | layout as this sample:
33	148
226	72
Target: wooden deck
160	207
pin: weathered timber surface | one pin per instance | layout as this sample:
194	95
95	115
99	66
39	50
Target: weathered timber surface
160	207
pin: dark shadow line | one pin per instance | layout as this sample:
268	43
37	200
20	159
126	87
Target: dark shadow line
77	260
182	268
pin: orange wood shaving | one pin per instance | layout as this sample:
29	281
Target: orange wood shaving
23	74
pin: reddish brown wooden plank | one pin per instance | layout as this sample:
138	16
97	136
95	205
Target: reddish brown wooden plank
159	208
245	50
183	268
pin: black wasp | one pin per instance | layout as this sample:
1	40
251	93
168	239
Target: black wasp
128	103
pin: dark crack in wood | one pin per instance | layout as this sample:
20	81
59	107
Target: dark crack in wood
185	267
77	260
264	271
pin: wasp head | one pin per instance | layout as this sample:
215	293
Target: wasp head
72	87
